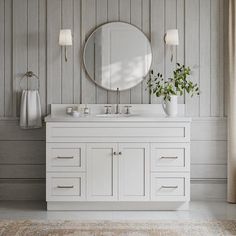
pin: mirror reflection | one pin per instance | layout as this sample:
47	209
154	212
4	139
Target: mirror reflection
117	55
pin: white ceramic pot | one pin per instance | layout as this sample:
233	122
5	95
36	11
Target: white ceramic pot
171	107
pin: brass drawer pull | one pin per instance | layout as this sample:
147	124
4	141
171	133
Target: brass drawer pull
59	157
163	186
169	157
65	186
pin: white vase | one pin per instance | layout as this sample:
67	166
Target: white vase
171	107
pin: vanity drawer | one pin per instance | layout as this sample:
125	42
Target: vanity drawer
65	186
65	156
170	187
138	131
170	157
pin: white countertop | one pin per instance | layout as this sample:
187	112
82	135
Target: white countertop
129	118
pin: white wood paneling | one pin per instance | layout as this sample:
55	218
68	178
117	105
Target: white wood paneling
192	31
88	25
200	23
215	58
22	171
180	24
209	129
101	18
209	152
42	70
33	39
8	60
180	50
170	23
24	152
20	59
146	26
113	15
212	171
136	19
124	15
208	190
10	130
225	56
157	36
205	57
54	52
22	189
67	67
222	42
77	51
2	61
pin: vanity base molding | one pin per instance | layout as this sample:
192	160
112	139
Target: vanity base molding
117	206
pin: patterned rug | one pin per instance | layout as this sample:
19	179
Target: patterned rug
113	228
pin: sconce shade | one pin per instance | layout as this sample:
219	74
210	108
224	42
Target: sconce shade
172	37
65	37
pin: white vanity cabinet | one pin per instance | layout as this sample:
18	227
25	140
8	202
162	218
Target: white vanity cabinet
125	163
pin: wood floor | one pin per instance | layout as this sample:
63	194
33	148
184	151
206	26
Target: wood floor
36	210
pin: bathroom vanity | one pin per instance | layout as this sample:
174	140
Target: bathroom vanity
124	162
111	158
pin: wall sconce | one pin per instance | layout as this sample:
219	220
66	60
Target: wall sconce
172	39
65	39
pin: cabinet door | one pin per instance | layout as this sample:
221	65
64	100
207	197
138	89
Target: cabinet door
134	171
102	171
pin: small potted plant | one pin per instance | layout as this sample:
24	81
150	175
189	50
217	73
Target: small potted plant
171	88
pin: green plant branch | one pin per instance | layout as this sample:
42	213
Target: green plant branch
177	85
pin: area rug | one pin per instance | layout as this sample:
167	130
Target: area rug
113	228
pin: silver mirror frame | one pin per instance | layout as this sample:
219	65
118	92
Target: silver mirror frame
85	44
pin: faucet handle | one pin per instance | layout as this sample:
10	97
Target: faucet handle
127	109
107	109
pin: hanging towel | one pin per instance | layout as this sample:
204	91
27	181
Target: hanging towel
30	111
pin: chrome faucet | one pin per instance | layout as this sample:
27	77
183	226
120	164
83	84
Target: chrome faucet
117	101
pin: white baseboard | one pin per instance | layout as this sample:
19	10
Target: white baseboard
130	206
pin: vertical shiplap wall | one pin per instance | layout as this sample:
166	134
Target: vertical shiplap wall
6	86
29	31
29	41
27	49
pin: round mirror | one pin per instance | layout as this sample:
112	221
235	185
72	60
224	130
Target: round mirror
117	55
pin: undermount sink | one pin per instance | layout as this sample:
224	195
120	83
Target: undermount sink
114	115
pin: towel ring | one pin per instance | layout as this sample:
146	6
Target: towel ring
31	75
